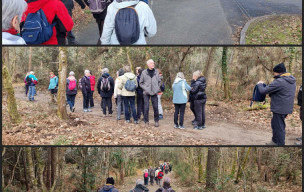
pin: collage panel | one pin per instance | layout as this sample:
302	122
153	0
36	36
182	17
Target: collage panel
154	169
152	96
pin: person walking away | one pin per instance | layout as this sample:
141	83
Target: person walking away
69	4
26	83
180	98
146	176
109	187
105	87
166	186
92	82
200	98
58	19
71	90
139	95
151	175
159	95
156	175
128	85
86	90
131	29
139	186
53	86
117	94
191	101
282	93
32	82
150	83
99	10
160	177
12	11
301	113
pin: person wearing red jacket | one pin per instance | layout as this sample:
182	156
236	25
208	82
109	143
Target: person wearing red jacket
55	12
93	82
160	176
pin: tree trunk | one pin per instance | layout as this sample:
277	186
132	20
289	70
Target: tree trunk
212	167
30	59
209	62
127	49
31	168
225	74
242	164
61	96
200	165
291	59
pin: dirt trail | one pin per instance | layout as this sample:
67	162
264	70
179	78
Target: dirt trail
219	130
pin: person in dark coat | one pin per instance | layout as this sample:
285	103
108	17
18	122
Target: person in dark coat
191	101
69	4
86	90
109	186
139	94
301	113
166	186
151	175
139	187
282	93
106	91
199	96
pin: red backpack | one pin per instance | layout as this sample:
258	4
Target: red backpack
72	85
146	175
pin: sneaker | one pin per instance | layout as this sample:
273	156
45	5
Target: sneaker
127	121
272	143
182	127
85	110
73	109
161	117
204	126
136	122
176	126
156	124
198	127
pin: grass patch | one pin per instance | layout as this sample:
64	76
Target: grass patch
61	140
283	29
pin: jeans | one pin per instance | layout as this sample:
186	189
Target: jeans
100	28
130	102
179	109
91	103
71	101
160	108
278	128
32	91
140	105
120	106
106	102
199	107
154	100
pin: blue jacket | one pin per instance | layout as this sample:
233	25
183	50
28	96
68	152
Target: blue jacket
53	82
33	78
180	88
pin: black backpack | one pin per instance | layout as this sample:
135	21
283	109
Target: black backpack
257	96
28	80
127	27
162	87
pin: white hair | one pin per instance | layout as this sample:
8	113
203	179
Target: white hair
105	70
10	9
32	72
197	73
72	73
139	182
86	71
180	75
149	61
167	180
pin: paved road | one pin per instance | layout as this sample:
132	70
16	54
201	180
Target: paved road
202	21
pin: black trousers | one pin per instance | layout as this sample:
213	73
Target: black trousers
179	110
106	102
26	89
91	99
86	99
152	180
199	108
192	108
140	105
154	100
278	128
100	28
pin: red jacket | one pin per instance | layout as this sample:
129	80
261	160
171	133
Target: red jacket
92	81
55	11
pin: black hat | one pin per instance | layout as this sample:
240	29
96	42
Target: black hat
120	72
279	68
110	180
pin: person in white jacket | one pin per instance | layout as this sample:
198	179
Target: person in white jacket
117	94
146	19
12	11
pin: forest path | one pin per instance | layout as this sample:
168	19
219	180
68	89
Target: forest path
220	130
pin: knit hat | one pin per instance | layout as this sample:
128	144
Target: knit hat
120	72
110	180
280	68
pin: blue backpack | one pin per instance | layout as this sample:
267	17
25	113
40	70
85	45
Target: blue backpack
257	96
37	29
130	85
127	25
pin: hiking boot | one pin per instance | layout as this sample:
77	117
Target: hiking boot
181	127
161	117
127	121
272	143
176	126
136	122
73	109
156	124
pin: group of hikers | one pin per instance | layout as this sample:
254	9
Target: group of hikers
49	22
157	174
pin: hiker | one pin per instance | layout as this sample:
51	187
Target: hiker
282	92
119	29
139	187
146	176
180	98
71	90
170	167
156	175
92	82
105	87
301	113
159	95
117	94
139	95
166	186
32	82
69	4
150	83
86	90
109	187
99	10
191	101
26	83
151	175
12	12
199	96
160	176
53	86
128	85
57	17
166	168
